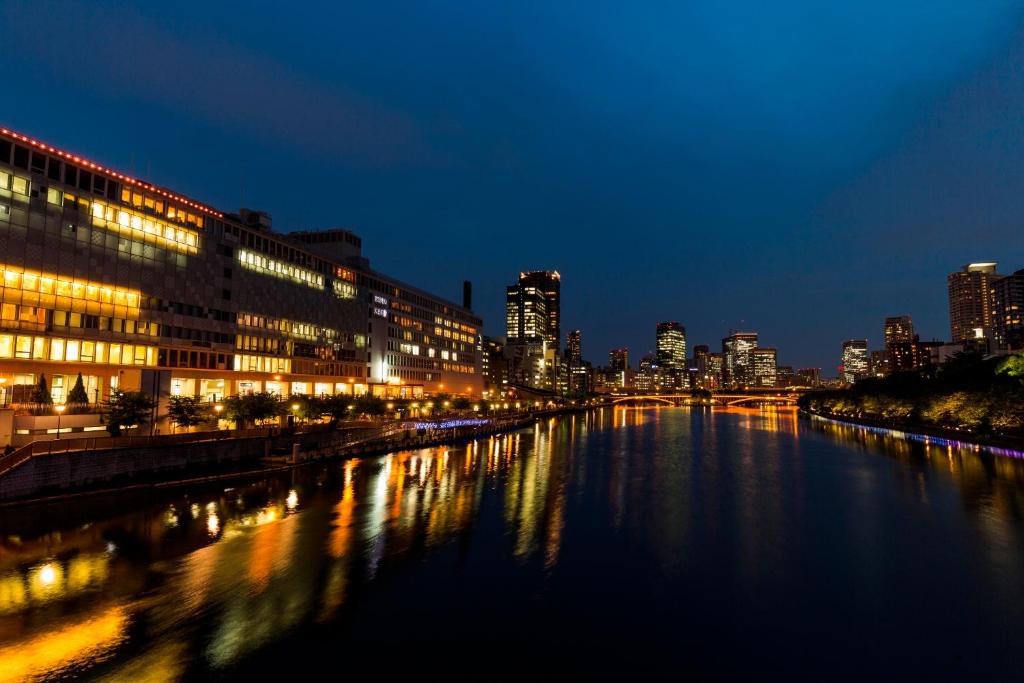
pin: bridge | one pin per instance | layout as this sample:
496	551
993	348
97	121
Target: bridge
731	398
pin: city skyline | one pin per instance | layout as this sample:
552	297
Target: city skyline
420	171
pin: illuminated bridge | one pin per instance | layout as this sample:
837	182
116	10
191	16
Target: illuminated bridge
718	398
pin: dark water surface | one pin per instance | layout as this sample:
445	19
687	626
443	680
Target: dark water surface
698	545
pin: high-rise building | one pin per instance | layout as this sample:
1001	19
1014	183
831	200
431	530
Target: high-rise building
533	308
970	302
647	377
736	350
701	365
715	368
899	328
879	363
574	346
618	359
494	366
671	341
784	376
855	360
763	363
809	377
1008	311
900	346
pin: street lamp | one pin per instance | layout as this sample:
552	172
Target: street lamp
60	411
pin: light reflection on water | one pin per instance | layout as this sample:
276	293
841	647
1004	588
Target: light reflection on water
206	579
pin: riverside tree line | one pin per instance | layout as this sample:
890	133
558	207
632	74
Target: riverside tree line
968	393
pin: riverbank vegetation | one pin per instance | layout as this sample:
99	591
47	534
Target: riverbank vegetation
970	393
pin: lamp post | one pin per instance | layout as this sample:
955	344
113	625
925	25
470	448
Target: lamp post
60	411
217	410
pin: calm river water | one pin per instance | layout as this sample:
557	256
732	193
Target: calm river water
695	544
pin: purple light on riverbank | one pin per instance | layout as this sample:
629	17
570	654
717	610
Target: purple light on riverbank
450	424
925	438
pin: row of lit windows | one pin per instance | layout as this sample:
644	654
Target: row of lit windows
42	283
247	363
458	367
344	290
138	225
285	271
438	320
245	342
297	330
75	350
174	213
107	216
16	184
457	336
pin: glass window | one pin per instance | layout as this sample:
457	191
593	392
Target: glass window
56	349
6	345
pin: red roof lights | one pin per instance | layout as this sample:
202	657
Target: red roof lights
120	176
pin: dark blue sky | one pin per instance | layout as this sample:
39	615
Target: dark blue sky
803	171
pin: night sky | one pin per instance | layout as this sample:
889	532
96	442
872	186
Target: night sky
802	171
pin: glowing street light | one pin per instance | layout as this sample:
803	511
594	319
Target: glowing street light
60	411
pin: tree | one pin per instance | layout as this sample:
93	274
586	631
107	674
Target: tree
127	409
370	405
187	411
337	407
251	408
309	407
461	403
42	395
78	399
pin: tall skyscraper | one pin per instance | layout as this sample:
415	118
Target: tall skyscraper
671	340
618	359
574	346
763	364
736	350
533	308
1008	311
855	360
970	302
901	349
898	328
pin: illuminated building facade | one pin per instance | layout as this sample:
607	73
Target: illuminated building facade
855	360
574	346
618	359
808	377
970	302
671	344
140	288
1008	311
533	308
738	366
763	363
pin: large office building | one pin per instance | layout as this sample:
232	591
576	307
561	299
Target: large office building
139	287
533	308
618	359
736	351
1008	311
855	360
970	302
533	319
671	346
764	366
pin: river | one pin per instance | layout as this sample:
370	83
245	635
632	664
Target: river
709	544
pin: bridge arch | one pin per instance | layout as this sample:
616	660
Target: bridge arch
641	399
